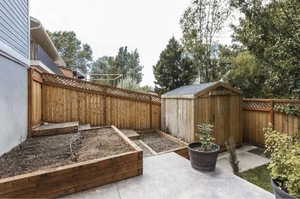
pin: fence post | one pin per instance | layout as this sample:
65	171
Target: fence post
105	107
29	94
272	113
150	112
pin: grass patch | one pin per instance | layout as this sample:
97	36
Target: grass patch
259	176
261	152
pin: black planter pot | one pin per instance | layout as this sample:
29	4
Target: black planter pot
279	193
203	161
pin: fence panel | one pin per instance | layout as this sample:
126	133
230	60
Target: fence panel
61	99
259	113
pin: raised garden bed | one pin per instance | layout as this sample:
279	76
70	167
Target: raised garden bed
58	165
159	142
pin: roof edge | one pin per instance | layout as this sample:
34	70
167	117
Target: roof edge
204	91
178	97
219	83
40	35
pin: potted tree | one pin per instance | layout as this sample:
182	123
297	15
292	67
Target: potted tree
203	154
284	165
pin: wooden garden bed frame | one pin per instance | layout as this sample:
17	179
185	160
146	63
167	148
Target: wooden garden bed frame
182	151
64	180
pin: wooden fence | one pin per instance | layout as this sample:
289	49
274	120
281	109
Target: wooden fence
54	98
259	113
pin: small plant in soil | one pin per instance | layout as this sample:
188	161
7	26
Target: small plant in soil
206	138
203	154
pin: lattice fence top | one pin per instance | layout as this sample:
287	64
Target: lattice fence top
268	105
257	105
57	80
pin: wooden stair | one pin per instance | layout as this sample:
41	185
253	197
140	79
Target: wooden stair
55	128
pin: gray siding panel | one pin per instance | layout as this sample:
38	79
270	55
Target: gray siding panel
14	25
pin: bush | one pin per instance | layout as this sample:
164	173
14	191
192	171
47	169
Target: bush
285	160
205	137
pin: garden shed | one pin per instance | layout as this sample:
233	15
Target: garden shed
216	103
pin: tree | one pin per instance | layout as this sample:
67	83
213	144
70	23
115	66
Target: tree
247	74
125	63
128	64
104	65
77	56
201	23
271	32
174	68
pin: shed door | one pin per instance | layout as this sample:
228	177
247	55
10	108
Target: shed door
223	111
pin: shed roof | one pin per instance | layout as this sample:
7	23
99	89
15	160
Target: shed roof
192	90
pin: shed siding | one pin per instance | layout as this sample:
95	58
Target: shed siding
224	112
179	118
14	28
220	106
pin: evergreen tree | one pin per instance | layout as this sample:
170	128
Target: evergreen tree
128	64
125	62
174	68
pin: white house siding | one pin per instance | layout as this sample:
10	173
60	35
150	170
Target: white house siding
14	52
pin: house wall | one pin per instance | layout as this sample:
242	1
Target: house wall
13	104
67	72
14	29
14	61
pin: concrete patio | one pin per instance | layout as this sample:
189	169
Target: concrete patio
171	176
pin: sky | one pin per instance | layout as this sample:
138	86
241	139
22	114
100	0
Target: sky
106	25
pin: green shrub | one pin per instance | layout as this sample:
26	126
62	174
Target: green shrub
285	160
205	137
289	109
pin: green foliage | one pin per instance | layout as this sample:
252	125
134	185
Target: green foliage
205	137
285	160
174	68
77	56
270	31
132	84
247	74
125	63
289	109
201	23
128	64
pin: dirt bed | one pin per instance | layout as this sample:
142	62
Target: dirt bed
158	143
53	151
